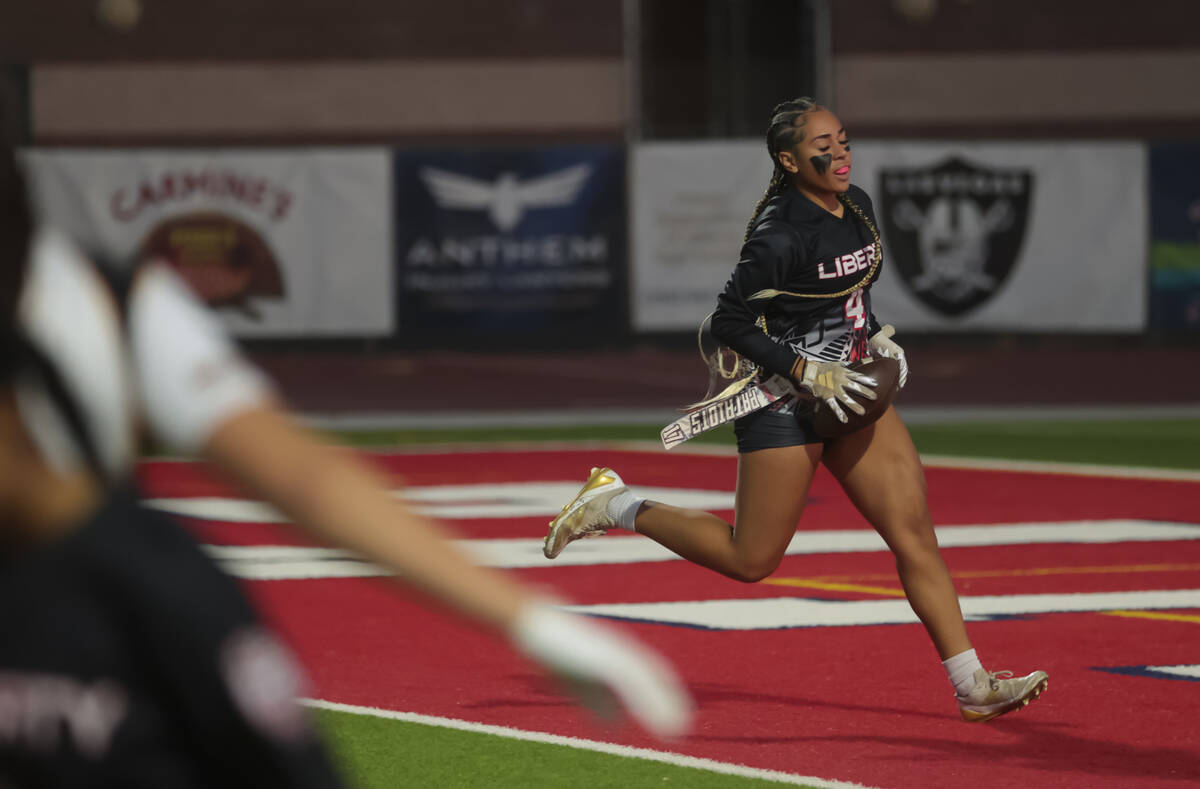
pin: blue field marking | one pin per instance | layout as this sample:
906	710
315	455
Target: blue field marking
1184	673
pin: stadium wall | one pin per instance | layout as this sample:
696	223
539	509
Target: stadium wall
469	75
270	71
1017	68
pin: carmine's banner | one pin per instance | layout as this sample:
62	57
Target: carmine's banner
282	243
511	244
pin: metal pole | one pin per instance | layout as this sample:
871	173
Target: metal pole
822	71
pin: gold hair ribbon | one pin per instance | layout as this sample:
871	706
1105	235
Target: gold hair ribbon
770	293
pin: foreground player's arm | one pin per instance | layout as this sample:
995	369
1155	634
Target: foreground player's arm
200	395
343	501
340	499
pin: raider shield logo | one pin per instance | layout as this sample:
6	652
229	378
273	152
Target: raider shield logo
955	230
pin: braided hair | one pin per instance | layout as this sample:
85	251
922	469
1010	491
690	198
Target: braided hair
786	128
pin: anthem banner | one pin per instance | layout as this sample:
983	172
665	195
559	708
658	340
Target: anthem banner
1023	237
523	245
281	243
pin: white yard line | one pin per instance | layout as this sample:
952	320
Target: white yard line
1188	672
647	754
790	612
491	500
284	562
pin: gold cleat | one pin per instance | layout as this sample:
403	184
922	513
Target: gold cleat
587	514
996	693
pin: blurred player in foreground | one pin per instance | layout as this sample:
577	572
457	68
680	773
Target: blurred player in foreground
127	658
798	307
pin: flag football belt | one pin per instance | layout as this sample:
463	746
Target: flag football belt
725	409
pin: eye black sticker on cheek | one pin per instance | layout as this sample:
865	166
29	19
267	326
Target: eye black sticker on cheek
821	163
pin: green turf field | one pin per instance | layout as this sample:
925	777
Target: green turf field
1157	443
376	753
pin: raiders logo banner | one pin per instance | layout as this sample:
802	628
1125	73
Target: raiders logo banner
955	230
1009	236
282	243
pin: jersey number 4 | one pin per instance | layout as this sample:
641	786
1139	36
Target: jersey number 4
855	310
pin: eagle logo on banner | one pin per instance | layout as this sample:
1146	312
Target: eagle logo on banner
955	230
506	199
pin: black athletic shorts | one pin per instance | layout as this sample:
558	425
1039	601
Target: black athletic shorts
787	423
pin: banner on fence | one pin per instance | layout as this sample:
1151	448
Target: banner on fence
1175	235
498	243
691	202
977	236
283	243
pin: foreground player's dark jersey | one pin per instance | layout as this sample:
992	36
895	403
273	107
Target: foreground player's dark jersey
798	247
128	659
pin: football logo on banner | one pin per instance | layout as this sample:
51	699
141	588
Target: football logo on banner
955	230
225	261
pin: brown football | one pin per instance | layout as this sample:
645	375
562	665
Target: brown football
886	373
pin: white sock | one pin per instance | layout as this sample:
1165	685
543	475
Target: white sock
961	670
623	508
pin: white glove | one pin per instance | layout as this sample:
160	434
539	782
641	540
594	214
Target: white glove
882	345
601	663
833	382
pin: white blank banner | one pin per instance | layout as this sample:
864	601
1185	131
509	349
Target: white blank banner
691	202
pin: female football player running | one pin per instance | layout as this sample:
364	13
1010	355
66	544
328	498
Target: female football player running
798	306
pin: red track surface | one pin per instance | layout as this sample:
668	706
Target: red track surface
869	705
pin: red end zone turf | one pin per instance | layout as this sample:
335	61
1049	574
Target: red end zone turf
867	704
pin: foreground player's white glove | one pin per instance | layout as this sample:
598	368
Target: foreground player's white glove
600	663
833	382
883	345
